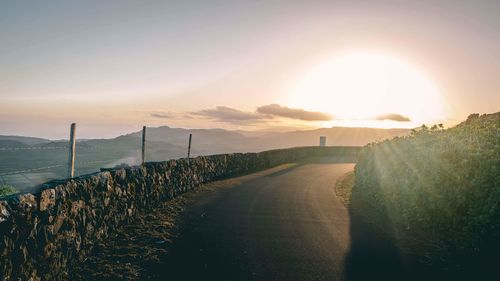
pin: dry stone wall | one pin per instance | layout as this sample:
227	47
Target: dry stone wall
43	233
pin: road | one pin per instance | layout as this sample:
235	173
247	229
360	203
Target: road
284	225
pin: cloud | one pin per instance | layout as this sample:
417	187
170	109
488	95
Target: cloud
163	115
231	115
294	113
393	117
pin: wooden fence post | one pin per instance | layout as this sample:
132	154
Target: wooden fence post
189	147
143	157
72	154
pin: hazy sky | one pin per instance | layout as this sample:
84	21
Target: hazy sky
113	66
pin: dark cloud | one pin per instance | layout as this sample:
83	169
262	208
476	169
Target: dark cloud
294	113
163	115
393	117
231	115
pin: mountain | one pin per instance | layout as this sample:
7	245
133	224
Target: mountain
214	141
336	136
43	159
11	144
22	140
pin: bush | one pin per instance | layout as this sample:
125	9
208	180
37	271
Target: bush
343	187
6	190
437	192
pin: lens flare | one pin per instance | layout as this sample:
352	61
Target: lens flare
362	86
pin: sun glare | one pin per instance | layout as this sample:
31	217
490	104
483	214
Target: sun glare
359	87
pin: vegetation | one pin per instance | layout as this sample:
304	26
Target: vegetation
6	190
27	162
343	187
437	192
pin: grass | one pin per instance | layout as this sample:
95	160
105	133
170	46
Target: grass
438	193
7	189
343	187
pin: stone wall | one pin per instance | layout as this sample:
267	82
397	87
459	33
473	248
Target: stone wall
42	233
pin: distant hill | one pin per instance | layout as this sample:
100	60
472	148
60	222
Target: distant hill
210	141
336	136
11	144
43	159
23	140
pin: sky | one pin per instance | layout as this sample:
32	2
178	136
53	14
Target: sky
114	66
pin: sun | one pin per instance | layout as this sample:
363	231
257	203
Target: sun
359	87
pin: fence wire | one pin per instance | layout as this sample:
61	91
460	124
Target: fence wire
32	170
79	146
78	164
31	148
26	165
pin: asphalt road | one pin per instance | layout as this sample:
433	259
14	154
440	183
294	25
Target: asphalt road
283	224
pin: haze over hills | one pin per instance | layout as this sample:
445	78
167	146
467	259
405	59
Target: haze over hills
20	141
28	161
211	141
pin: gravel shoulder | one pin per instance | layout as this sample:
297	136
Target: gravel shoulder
343	188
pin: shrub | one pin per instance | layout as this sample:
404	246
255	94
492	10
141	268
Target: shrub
343	187
437	192
6	190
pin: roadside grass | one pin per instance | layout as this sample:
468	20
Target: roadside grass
343	188
6	189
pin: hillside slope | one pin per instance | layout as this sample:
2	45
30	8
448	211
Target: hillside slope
436	193
23	140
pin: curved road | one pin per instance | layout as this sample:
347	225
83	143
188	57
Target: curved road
286	224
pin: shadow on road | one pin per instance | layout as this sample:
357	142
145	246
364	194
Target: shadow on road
372	257
344	159
375	256
316	160
285	170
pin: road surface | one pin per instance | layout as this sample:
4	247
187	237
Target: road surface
284	225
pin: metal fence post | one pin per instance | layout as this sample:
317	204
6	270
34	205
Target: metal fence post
189	147
72	154
143	159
